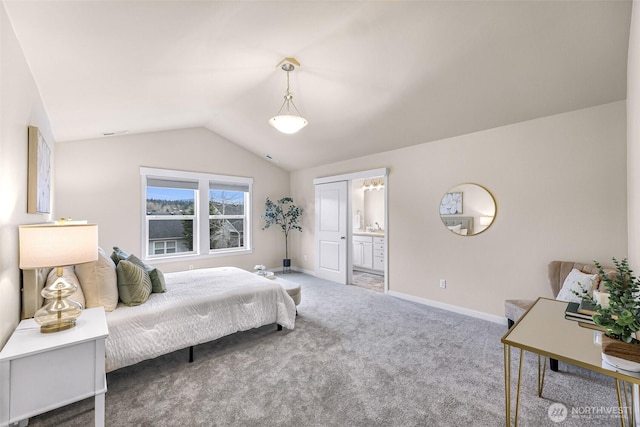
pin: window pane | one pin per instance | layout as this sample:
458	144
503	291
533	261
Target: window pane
226	233
170	201
172	236
223	202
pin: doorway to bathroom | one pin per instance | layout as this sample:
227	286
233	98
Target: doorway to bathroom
368	232
351	237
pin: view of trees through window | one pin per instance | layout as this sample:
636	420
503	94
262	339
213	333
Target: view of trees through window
171	216
226	219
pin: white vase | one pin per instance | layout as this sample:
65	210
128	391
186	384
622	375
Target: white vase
624	364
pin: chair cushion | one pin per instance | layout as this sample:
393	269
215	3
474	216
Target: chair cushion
514	308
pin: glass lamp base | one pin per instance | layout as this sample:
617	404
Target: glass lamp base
59	312
57	327
58	315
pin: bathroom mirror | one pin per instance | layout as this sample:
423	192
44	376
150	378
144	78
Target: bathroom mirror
467	209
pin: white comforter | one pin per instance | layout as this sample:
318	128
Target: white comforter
199	306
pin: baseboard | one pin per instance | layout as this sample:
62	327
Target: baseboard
449	307
298	269
302	270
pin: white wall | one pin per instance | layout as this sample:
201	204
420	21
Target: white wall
20	106
560	188
633	138
99	180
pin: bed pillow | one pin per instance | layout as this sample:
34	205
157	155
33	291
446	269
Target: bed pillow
134	285
69	274
158	284
118	255
99	282
455	228
573	282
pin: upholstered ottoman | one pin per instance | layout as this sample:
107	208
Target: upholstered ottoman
293	289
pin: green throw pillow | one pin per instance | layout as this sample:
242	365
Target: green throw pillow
158	284
134	284
118	255
157	280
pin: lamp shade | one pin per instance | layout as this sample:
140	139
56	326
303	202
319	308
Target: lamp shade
55	245
486	220
288	123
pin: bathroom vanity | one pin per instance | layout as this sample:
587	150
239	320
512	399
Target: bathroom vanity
368	251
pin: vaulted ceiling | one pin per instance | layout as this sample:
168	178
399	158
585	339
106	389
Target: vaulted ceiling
375	75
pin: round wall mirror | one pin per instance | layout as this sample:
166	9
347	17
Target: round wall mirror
467	209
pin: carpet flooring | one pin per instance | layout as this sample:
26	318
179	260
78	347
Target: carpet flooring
355	358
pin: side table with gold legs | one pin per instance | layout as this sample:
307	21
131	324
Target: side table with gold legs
544	330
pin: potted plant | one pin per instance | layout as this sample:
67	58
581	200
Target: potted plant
620	317
285	214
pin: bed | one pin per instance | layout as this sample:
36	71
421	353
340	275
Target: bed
462	225
198	306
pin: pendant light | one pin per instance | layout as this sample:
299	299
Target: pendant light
286	122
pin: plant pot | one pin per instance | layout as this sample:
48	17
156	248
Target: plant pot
622	355
286	265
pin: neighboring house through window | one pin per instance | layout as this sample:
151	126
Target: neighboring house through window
188	214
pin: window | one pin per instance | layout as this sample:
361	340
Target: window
161	247
193	214
227	215
170	215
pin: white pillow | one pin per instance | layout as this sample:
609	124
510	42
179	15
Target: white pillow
99	282
573	282
455	228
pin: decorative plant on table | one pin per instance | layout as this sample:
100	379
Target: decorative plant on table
620	318
285	214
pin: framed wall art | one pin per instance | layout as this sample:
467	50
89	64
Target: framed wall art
39	181
451	204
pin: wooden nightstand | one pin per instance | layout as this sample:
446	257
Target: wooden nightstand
41	372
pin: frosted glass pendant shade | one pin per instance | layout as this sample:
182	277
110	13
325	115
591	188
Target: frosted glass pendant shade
287	123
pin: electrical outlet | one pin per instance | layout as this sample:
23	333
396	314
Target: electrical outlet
443	283
304	257
190	266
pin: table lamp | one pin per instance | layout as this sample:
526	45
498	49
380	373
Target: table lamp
56	245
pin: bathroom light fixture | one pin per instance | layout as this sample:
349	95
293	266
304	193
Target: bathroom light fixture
288	123
374	184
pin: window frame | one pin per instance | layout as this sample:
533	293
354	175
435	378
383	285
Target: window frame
201	215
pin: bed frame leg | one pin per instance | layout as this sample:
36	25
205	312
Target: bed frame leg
279	327
191	354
